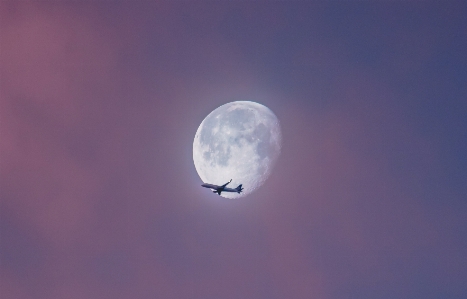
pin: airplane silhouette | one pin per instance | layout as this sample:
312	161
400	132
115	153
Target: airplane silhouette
223	188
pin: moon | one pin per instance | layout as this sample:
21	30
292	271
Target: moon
240	141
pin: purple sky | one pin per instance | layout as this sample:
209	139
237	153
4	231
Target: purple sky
99	105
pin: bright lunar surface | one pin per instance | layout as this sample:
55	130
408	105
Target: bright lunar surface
239	141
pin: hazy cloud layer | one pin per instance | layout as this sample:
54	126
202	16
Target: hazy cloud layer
99	105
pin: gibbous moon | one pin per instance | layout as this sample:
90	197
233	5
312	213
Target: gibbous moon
239	141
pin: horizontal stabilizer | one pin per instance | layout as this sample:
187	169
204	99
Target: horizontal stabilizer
239	188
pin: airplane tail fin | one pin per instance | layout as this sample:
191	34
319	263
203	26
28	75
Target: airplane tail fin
239	189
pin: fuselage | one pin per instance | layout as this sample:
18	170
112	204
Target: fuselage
217	188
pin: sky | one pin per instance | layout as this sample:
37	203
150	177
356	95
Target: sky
99	105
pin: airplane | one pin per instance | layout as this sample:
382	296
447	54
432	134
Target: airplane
223	188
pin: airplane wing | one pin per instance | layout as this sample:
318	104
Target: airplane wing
223	186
